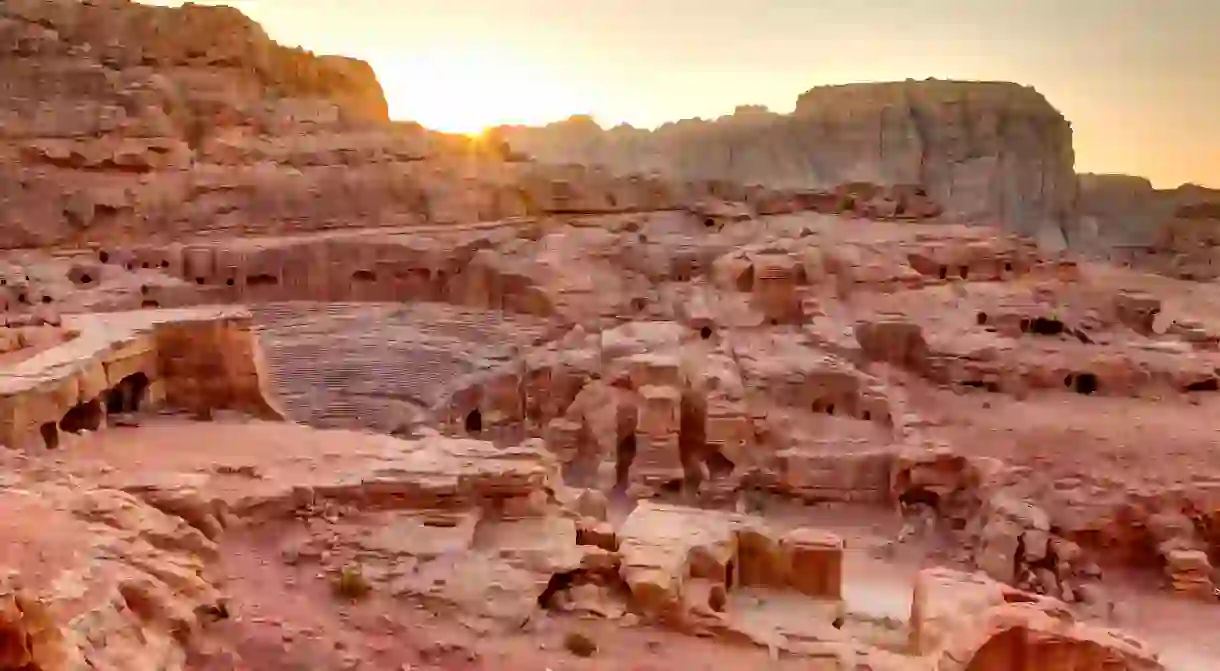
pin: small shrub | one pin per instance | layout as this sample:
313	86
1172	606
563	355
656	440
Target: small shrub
351	583
579	644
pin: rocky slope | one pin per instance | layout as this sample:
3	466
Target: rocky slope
991	152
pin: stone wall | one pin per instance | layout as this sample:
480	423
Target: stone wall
990	152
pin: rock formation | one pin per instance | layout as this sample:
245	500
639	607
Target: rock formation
1170	231
285	385
992	153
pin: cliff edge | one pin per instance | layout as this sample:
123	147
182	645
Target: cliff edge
991	152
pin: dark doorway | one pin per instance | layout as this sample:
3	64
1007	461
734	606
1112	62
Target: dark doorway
262	280
1046	327
87	416
128	395
1210	384
50	435
1082	383
474	422
624	456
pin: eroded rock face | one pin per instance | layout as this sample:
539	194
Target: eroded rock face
990	153
1170	231
99	578
197	360
968	623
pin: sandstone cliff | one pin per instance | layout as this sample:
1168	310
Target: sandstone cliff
1171	231
123	121
991	152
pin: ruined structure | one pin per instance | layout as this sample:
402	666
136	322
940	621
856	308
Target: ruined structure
287	385
118	364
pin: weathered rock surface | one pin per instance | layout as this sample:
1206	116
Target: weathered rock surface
990	153
1174	232
593	369
966	622
99	579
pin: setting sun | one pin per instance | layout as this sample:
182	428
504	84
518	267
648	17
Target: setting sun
464	89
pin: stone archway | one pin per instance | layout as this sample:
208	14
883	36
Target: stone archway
128	395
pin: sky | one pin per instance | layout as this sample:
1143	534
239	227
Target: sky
1138	79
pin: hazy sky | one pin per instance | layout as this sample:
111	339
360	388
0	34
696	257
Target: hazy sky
1138	79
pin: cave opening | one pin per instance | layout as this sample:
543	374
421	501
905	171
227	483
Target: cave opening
103	256
624	456
87	416
50	435
672	486
1046	326
128	394
559	582
981	319
1082	383
917	496
474	422
262	280
364	276
1210	384
705	332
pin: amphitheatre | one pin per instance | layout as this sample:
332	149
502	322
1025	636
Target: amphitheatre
879	384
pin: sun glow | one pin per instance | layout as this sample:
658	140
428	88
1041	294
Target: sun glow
466	90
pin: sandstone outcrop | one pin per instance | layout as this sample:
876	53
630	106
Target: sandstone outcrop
1169	231
989	153
100	579
195	360
968	623
125	122
726	383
